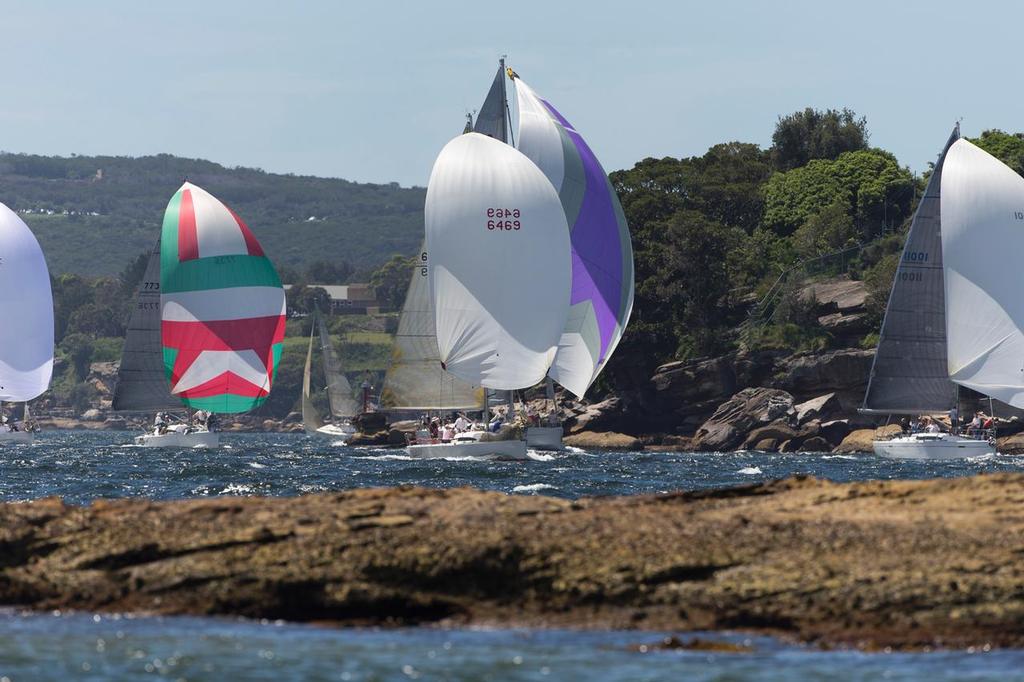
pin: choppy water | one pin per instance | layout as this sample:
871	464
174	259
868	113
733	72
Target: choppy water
81	467
85	466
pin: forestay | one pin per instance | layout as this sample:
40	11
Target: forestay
415	380
602	254
141	381
982	240
222	306
499	275
26	338
909	373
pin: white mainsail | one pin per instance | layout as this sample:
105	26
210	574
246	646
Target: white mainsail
500	272
311	420
26	340
982	239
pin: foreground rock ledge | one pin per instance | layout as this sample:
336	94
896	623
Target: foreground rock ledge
904	564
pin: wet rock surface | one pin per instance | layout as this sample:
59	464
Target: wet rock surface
893	563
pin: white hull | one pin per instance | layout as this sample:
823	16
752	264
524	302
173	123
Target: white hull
340	432
544	438
16	437
499	449
173	439
932	446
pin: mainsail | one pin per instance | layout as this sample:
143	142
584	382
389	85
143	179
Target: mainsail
311	420
602	253
339	391
500	275
492	117
222	306
415	380
982	240
26	338
141	382
909	373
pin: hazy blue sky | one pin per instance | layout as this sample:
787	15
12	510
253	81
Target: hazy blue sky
371	91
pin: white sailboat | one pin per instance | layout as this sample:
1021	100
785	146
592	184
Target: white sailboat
339	392
958	285
601	257
26	346
490	212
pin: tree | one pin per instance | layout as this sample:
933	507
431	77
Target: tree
813	134
391	280
727	184
78	348
830	229
875	188
306	299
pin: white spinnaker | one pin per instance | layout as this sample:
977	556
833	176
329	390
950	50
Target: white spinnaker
26	339
982	208
501	296
557	149
539	138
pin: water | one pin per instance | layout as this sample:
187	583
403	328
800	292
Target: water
81	467
49	647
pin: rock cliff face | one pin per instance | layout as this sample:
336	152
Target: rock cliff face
894	563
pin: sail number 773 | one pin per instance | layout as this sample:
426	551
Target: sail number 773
503	219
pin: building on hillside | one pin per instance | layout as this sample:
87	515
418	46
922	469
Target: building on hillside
349	299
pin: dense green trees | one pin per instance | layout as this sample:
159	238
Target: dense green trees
812	134
876	189
712	233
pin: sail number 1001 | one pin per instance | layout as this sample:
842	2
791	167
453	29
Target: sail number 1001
503	219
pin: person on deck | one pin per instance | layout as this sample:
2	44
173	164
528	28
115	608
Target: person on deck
462	424
160	424
448	432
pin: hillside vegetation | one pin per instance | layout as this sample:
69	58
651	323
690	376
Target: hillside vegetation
94	214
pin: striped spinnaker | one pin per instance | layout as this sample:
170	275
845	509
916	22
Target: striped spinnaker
222	306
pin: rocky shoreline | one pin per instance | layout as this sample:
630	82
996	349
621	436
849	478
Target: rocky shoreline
873	564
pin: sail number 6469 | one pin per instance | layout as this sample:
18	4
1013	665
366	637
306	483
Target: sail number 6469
503	219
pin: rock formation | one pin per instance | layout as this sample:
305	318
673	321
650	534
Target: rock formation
876	563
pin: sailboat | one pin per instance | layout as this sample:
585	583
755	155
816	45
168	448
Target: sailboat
490	213
26	345
208	329
339	392
954	316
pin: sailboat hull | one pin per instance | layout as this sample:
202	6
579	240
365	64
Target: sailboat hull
499	449
337	431
932	446
17	437
544	438
172	439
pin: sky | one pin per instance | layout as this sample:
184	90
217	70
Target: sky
371	91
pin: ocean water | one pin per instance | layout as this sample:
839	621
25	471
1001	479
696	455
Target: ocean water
81	467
